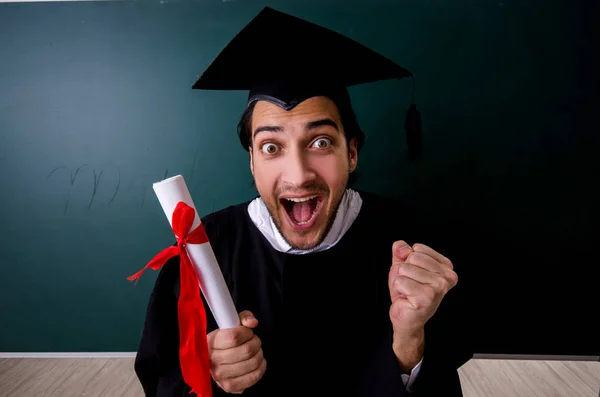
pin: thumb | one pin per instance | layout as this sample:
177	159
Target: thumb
248	320
400	251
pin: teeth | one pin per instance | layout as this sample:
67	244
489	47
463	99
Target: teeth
300	200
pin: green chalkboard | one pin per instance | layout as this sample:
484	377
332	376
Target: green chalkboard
96	104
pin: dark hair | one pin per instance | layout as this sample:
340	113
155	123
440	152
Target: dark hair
341	100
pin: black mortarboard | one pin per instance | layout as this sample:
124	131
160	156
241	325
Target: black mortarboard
283	59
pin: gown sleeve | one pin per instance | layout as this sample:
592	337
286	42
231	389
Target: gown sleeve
157	359
447	348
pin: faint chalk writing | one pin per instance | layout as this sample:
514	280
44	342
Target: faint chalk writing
97	179
96	183
73	177
144	187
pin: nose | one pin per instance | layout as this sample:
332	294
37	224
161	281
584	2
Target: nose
297	170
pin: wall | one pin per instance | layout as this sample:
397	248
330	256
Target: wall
96	105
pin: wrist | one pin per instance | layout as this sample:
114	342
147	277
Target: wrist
409	349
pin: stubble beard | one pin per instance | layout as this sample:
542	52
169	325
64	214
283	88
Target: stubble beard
272	207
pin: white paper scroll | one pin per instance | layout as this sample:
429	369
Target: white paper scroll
170	192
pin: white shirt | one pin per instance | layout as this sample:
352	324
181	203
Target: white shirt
348	210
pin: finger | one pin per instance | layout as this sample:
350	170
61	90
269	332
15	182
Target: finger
393	274
446	277
231	337
439	282
426	262
419	274
433	253
239	384
235	370
248	320
400	251
406	286
237	354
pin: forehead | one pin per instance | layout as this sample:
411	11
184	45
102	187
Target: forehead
315	108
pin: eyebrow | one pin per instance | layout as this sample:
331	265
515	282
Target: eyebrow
311	125
319	123
267	128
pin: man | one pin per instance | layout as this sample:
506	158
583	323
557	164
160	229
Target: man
337	293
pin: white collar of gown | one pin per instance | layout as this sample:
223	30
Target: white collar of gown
347	212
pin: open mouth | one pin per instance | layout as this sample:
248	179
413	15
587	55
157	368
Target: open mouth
302	212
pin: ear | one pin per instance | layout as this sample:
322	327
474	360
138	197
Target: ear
251	162
353	154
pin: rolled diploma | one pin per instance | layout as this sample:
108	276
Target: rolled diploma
169	192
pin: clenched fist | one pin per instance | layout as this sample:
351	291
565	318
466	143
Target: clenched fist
419	279
236	356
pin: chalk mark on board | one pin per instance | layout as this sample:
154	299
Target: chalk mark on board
118	186
95	189
145	187
97	179
143	197
72	178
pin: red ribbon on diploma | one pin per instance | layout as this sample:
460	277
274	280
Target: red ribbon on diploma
193	347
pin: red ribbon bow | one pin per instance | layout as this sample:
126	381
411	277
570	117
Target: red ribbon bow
193	347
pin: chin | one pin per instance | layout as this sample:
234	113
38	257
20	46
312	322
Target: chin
304	220
303	242
304	216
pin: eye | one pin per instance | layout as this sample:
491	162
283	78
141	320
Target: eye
322	143
269	148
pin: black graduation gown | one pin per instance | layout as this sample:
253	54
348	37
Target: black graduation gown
323	317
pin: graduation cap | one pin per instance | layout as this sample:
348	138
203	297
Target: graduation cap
285	60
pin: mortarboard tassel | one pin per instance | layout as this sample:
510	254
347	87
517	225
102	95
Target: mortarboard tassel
412	125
